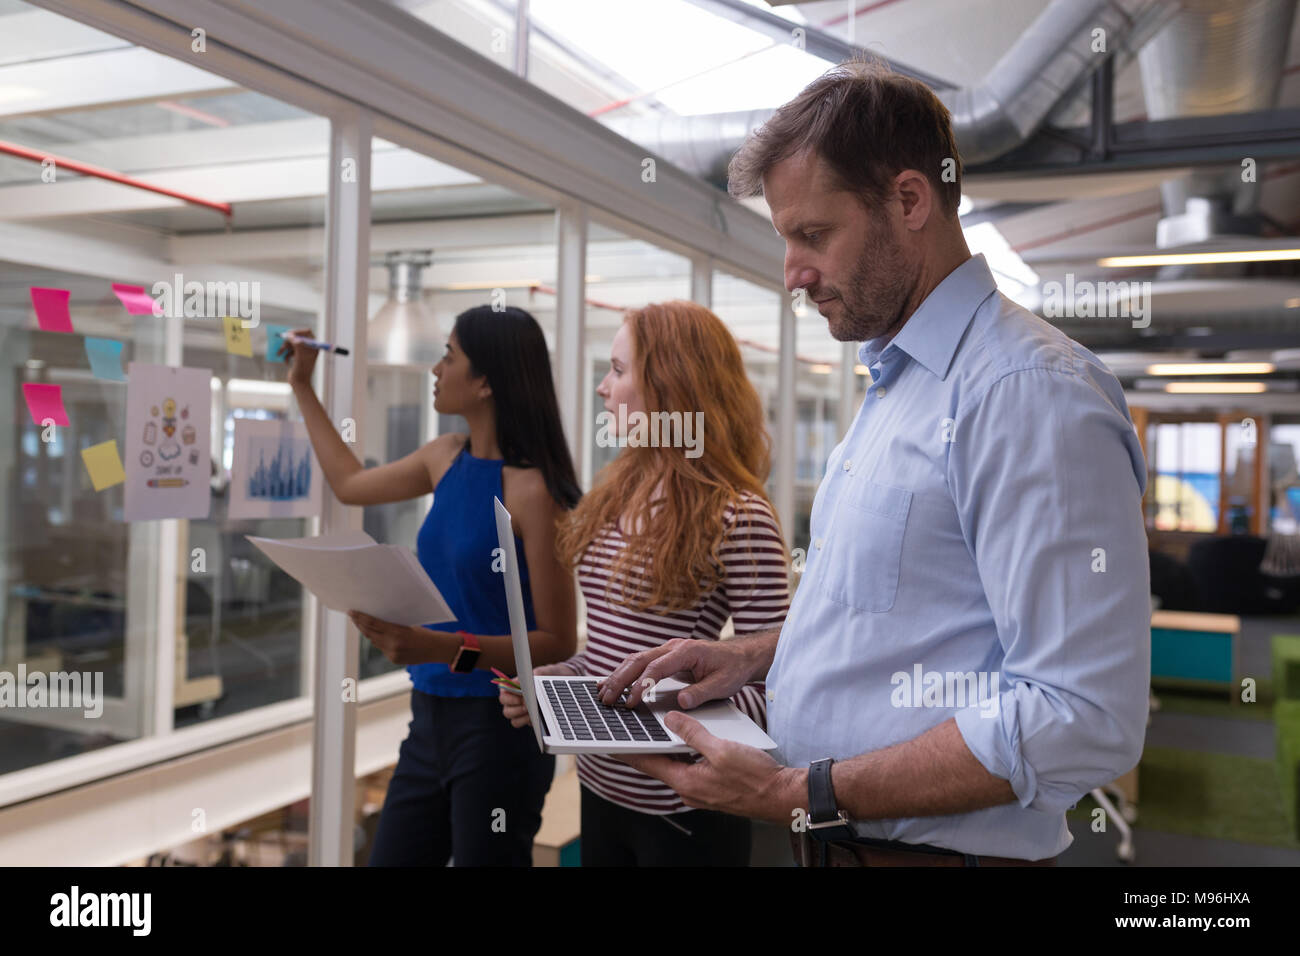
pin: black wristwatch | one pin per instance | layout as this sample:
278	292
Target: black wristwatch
825	822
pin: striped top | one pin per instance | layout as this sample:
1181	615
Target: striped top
754	592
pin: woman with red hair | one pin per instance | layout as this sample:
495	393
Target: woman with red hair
675	537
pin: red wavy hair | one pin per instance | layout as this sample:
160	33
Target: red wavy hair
687	361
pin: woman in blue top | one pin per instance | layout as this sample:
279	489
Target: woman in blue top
468	785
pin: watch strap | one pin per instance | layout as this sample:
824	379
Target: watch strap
825	821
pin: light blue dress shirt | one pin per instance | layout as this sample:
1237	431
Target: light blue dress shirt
977	552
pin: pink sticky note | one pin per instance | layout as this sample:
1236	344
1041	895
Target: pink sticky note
136	300
45	401
52	309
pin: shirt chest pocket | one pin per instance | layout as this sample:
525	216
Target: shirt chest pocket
865	547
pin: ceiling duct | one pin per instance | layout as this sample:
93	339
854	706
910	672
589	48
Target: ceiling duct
1048	63
702	144
404	332
1212	59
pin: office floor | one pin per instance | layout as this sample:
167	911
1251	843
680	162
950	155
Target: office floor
1208	791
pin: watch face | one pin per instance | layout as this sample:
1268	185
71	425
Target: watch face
465	660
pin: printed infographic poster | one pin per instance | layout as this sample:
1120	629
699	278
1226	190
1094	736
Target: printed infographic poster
168	442
273	471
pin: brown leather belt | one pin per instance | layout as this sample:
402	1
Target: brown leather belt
808	851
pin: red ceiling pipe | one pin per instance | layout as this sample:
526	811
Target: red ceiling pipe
36	156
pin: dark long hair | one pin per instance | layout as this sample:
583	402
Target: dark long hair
508	347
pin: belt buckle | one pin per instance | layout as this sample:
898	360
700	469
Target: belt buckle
843	830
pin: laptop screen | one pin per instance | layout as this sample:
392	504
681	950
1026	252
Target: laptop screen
518	622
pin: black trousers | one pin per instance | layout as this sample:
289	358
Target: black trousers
616	836
467	786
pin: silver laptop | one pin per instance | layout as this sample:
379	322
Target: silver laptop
567	714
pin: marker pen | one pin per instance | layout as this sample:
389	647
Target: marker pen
312	343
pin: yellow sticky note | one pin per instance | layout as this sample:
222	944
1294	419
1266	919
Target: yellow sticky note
103	464
238	341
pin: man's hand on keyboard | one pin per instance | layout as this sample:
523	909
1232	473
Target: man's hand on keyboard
716	670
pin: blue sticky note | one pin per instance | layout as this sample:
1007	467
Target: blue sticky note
274	339
105	358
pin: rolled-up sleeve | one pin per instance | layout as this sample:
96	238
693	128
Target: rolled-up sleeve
1047	476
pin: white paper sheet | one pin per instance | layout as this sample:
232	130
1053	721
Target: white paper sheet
168	455
350	572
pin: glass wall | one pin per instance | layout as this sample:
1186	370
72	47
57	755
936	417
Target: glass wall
83	588
753	313
71	601
87	591
1186	456
622	273
1204	477
817	408
1284	482
1240	495
245	620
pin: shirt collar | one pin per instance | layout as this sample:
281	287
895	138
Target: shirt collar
932	333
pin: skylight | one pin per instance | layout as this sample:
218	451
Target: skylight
742	69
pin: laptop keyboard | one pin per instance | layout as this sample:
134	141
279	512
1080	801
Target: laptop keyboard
582	716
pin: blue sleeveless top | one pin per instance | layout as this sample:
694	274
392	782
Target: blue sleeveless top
455	546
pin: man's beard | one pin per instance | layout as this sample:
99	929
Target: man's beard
872	302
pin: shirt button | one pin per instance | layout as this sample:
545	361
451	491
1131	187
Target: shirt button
771	695
847	464
880	392
817	543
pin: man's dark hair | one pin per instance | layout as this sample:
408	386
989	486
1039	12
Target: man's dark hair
868	124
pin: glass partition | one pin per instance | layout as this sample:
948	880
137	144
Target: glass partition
78	595
817	407
1187	457
84	591
622	273
753	314
1284	482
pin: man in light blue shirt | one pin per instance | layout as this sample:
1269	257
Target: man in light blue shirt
969	644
